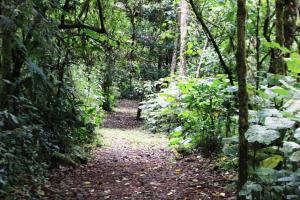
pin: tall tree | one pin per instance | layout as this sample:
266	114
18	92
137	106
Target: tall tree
258	64
184	15
242	92
290	19
6	68
277	63
175	49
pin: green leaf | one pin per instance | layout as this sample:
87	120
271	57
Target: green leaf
269	113
90	33
275	45
293	63
175	141
271	162
177	132
297	134
289	147
260	134
36	69
278	123
250	187
280	91
295	157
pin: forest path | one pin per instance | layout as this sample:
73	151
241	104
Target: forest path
135	164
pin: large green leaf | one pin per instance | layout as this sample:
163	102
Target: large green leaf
250	187
271	162
261	134
91	33
293	63
280	91
278	123
295	156
275	45
267	112
289	147
297	134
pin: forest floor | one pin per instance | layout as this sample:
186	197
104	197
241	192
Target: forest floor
135	164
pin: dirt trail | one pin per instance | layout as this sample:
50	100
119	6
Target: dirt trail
135	164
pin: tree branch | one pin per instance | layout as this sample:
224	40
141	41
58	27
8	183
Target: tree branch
215	45
101	17
81	26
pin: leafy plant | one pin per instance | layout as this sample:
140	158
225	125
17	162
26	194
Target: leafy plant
193	112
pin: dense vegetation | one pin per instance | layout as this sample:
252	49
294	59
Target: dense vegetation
212	75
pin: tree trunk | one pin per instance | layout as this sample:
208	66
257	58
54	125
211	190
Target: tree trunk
277	63
6	68
160	63
258	65
107	81
242	92
184	15
201	59
290	19
174	56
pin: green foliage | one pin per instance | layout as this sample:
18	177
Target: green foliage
274	147
293	63
51	102
196	113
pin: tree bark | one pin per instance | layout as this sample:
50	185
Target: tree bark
201	59
184	14
258	65
174	56
6	68
108	80
242	92
290	20
277	63
101	17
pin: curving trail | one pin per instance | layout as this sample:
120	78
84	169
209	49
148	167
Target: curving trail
135	164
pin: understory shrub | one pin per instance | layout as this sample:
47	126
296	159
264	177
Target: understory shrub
274	142
39	134
195	113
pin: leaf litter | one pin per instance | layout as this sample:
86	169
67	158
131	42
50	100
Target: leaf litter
135	164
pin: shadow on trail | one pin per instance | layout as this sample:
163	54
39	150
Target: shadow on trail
124	116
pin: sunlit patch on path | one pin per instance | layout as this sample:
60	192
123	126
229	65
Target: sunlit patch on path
135	164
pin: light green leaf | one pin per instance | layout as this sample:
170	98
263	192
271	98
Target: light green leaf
289	147
297	134
271	162
280	91
278	123
90	33
295	157
275	45
293	63
260	134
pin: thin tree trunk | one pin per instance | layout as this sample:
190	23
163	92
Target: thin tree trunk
107	81
159	66
258	66
266	27
101	17
201	59
184	14
242	92
174	56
